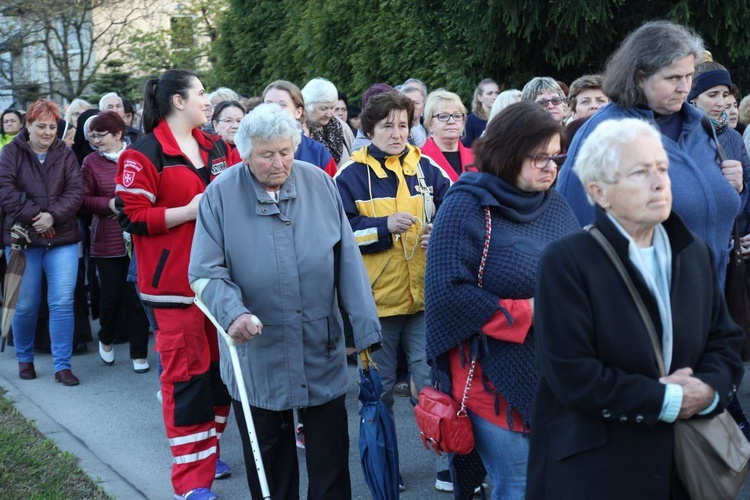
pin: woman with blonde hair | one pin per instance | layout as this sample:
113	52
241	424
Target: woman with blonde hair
76	107
481	105
445	119
505	99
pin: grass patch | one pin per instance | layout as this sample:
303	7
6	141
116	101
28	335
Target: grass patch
32	467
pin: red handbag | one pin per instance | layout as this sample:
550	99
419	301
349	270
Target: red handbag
443	423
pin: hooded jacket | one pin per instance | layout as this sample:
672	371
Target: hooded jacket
374	186
28	187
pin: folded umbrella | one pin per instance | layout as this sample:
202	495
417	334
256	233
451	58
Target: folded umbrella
378	450
12	283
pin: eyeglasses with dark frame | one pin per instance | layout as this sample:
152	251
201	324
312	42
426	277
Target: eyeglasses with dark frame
96	137
556	101
444	117
541	161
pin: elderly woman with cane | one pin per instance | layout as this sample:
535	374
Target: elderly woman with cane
283	306
604	416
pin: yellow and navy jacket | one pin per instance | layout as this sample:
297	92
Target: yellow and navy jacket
374	186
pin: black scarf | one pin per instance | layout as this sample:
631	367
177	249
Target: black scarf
332	137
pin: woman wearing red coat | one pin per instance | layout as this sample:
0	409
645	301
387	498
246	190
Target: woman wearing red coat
445	121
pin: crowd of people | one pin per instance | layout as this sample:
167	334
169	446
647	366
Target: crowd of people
448	243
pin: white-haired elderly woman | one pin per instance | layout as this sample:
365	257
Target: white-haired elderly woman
602	413
274	258
649	77
504	99
547	93
320	98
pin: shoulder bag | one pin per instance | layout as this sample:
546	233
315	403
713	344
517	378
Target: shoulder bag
710	454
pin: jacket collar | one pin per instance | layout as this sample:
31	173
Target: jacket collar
169	145
266	205
680	236
378	161
22	140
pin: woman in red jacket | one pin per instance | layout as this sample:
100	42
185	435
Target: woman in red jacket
160	181
445	121
107	245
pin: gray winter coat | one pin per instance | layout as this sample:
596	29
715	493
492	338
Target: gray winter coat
293	264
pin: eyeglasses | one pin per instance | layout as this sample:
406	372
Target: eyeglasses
96	137
541	161
229	121
556	101
444	117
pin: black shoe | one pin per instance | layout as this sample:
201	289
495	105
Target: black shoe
80	348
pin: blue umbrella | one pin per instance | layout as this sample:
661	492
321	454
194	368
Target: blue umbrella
378	450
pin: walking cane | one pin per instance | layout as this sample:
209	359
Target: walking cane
241	387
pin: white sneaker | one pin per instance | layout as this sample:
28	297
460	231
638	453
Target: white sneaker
158	395
140	365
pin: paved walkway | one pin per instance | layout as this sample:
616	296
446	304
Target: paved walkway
113	423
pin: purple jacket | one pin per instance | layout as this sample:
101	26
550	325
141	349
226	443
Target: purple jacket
98	188
28	187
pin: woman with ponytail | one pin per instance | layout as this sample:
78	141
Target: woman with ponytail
160	181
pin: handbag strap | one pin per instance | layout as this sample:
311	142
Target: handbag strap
480	282
610	251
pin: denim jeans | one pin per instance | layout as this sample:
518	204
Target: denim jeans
60	264
505	455
407	329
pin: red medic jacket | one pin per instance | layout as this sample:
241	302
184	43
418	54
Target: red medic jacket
152	176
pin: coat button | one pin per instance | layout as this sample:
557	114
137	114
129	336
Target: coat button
623	418
264	210
299	311
606	414
304	386
288	222
639	419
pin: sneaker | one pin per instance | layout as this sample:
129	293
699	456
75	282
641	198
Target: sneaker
197	494
443	483
401	486
300	433
222	470
401	389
